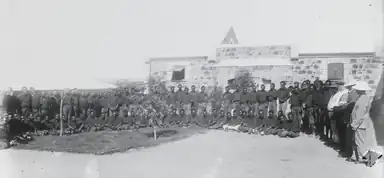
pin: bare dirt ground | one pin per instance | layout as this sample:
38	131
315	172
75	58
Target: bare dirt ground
216	154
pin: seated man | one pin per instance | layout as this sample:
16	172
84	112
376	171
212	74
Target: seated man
205	119
281	120
143	121
212	119
126	122
193	119
183	118
235	120
133	119
271	123
260	119
220	120
90	123
172	118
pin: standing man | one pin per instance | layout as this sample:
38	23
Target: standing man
336	111
26	102
35	103
283	95
236	100
262	101
361	122
203	98
252	99
319	106
179	97
11	103
295	103
272	99
228	97
352	98
194	96
186	101
67	106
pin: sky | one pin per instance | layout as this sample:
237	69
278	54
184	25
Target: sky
41	39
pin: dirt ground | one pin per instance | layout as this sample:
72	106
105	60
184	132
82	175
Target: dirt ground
215	154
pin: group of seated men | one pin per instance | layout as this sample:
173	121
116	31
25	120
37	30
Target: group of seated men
253	107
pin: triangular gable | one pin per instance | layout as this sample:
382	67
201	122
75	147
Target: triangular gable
230	38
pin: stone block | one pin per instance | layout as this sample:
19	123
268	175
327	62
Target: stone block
352	61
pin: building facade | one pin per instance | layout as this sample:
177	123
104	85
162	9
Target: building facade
337	66
189	70
275	64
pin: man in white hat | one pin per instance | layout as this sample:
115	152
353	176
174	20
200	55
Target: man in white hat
336	110
360	120
342	122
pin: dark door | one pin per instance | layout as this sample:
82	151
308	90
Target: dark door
336	71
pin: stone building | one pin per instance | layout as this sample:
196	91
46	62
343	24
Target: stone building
189	70
266	64
337	66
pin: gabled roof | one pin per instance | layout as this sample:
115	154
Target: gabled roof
230	38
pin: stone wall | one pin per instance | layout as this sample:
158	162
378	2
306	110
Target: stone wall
198	71
224	52
357	67
260	75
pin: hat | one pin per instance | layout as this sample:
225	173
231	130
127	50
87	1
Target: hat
362	86
350	83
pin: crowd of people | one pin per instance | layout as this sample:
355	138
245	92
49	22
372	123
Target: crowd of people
325	109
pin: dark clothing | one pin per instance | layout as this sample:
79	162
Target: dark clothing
318	98
244	98
261	97
349	142
327	95
236	96
303	95
309	100
295	100
45	103
83	102
113	103
26	100
186	98
194	96
252	97
11	104
179	95
35	101
283	94
272	95
228	96
67	100
203	97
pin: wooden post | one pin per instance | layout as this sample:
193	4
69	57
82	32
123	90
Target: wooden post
154	133
61	114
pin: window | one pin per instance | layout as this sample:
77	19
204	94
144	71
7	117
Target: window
178	73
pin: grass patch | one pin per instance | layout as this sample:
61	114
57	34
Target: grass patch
108	142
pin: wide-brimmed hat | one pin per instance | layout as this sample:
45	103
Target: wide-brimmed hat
362	86
350	84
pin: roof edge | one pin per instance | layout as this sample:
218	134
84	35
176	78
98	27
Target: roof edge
177	58
346	54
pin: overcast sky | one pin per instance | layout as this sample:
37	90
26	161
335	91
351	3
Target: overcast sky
113	38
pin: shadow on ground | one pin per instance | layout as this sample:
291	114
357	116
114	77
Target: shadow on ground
108	142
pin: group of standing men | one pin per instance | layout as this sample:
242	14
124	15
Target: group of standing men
324	109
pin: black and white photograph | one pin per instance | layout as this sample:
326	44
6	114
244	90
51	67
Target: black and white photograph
191	88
